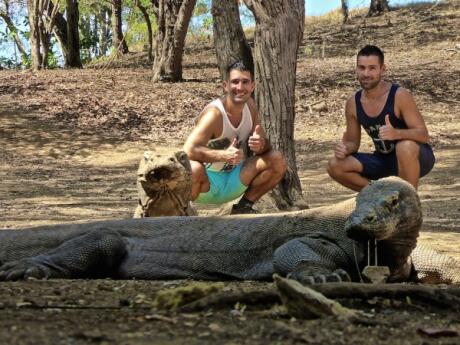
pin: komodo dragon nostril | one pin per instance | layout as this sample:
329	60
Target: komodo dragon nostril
370	218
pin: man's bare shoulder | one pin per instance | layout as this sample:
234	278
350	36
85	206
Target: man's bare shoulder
351	98
350	105
403	94
209	114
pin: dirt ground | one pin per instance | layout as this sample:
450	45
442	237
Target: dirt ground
71	141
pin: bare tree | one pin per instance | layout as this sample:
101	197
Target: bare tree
66	33
72	58
278	33
39	36
118	40
103	14
378	7
149	28
344	10
173	18
229	39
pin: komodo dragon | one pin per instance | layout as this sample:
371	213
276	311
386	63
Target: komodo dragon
164	185
308	245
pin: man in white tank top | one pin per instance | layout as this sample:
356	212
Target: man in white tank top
223	174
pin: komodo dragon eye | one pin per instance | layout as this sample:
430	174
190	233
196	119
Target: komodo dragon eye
393	201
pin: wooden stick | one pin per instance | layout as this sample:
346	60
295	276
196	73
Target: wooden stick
437	296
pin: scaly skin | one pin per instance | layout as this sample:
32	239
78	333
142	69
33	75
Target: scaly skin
309	245
164	185
394	221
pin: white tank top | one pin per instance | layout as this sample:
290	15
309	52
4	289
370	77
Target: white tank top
242	132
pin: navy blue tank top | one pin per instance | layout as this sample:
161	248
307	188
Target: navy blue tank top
372	124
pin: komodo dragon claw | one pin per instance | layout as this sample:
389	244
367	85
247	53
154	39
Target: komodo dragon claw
23	269
308	278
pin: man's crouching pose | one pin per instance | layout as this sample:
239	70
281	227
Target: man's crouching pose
222	175
388	113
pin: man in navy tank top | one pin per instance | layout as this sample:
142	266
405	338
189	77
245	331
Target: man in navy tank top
389	115
225	173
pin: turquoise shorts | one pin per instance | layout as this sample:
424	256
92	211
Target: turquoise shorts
224	186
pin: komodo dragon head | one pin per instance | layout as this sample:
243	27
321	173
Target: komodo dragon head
389	211
164	184
385	209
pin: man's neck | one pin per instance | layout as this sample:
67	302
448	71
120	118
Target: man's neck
377	91
233	109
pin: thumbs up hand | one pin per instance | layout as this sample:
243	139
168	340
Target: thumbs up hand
341	150
256	141
387	132
233	154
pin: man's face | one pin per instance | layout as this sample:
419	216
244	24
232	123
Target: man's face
239	86
369	71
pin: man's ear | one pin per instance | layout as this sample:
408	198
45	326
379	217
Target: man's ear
384	68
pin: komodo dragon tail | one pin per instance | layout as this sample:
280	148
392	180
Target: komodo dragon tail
433	267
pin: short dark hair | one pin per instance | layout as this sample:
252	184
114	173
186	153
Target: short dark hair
369	50
240	65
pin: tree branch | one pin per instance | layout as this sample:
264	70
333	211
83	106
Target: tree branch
14	32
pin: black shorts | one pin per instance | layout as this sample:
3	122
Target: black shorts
377	165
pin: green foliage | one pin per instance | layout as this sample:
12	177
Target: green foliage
10	57
202	7
200	27
53	59
8	63
137	35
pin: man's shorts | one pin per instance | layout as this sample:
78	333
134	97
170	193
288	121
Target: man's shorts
377	165
224	186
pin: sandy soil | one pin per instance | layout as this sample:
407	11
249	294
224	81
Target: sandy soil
71	141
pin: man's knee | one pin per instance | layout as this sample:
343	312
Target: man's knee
272	161
198	172
407	149
334	167
278	162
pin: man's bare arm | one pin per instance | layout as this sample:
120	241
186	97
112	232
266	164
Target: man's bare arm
416	128
208	127
352	137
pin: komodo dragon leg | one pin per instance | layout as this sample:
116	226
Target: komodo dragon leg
97	253
311	261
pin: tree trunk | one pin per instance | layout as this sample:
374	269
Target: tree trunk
35	52
60	31
45	43
278	34
377	7
344	11
72	59
173	19
104	31
229	39
149	28
95	48
118	40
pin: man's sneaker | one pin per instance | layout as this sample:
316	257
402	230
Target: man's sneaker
246	209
